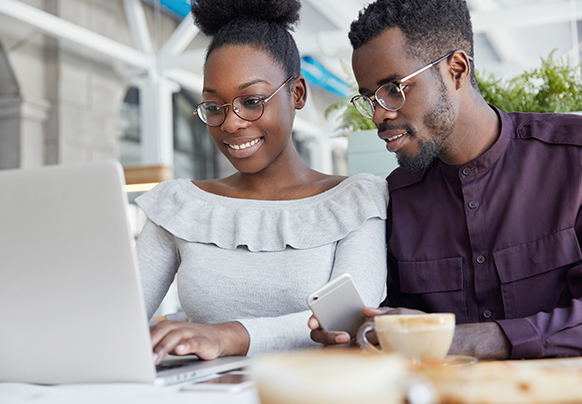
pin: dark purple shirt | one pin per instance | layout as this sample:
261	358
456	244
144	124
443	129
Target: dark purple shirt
498	238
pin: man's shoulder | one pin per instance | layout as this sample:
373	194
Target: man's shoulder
563	129
400	178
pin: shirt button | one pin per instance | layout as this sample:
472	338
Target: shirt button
480	259
466	171
487	314
472	204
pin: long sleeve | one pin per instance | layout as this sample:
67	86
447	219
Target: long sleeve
550	334
554	334
158	263
363	255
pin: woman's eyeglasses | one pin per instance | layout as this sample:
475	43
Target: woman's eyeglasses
247	107
390	96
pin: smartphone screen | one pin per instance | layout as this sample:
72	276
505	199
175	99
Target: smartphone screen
232	382
229	378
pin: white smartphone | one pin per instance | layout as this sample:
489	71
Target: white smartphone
231	382
338	305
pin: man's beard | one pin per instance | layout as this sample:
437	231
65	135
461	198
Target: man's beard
440	121
429	150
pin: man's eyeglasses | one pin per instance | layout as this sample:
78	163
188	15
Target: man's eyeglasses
390	96
247	107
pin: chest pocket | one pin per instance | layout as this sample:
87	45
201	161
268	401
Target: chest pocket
528	272
438	282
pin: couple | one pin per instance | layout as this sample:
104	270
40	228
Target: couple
482	220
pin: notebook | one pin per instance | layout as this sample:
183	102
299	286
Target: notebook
71	304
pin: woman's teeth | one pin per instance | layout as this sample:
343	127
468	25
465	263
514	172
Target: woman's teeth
396	137
244	145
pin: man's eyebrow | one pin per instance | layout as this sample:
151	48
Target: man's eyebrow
241	87
385	80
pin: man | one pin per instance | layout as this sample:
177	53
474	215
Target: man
484	215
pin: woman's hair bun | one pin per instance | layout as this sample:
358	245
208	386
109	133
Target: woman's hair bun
211	15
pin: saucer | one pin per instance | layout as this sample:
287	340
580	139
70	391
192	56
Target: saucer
458	360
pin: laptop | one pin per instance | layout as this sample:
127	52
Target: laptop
71	303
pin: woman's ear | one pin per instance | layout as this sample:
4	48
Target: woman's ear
460	66
299	92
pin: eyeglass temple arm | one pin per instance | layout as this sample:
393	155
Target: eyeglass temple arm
280	87
428	66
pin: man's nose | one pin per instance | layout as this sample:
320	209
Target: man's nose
381	115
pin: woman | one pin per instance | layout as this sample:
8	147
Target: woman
248	249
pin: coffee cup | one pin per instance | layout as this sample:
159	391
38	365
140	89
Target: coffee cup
339	376
419	337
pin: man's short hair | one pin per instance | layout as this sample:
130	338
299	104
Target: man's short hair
431	27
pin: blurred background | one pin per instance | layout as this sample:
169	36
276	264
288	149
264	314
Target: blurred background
85	80
95	79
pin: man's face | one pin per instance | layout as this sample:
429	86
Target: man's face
418	131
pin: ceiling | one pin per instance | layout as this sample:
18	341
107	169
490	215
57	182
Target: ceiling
510	35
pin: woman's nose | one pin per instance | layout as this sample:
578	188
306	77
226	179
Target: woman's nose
233	122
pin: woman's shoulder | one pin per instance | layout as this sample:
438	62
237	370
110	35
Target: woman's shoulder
371	181
360	185
193	214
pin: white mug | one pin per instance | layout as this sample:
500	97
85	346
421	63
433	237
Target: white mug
420	337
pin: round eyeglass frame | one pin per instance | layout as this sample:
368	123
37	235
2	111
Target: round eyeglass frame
393	87
237	111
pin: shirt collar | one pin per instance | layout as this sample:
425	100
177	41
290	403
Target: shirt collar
487	159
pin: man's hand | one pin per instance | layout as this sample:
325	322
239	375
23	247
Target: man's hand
481	340
207	341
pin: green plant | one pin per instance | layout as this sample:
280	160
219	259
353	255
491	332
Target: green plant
554	87
350	119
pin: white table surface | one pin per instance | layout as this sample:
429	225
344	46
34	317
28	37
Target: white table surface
117	393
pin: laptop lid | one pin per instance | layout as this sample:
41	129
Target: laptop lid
71	304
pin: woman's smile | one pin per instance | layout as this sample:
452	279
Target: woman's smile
243	148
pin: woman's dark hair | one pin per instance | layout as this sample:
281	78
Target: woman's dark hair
432	27
264	24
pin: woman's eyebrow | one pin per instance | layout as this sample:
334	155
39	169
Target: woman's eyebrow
241	87
252	82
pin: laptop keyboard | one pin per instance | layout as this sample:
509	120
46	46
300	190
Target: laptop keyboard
170	365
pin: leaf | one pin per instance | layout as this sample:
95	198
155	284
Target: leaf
350	120
553	87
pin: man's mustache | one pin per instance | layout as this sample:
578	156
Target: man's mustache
385	126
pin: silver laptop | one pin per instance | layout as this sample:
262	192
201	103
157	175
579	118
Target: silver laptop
71	304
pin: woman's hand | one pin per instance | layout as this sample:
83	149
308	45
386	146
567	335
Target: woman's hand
327	338
339	337
207	341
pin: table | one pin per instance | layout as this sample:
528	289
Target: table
534	381
117	393
548	381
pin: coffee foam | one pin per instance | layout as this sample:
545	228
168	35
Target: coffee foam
414	322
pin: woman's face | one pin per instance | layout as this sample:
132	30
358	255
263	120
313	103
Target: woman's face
236	70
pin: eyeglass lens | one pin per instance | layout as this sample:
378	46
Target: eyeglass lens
249	108
389	95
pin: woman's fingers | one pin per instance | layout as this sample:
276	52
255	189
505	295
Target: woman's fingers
184	338
330	337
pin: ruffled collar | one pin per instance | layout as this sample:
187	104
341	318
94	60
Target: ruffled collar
198	216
